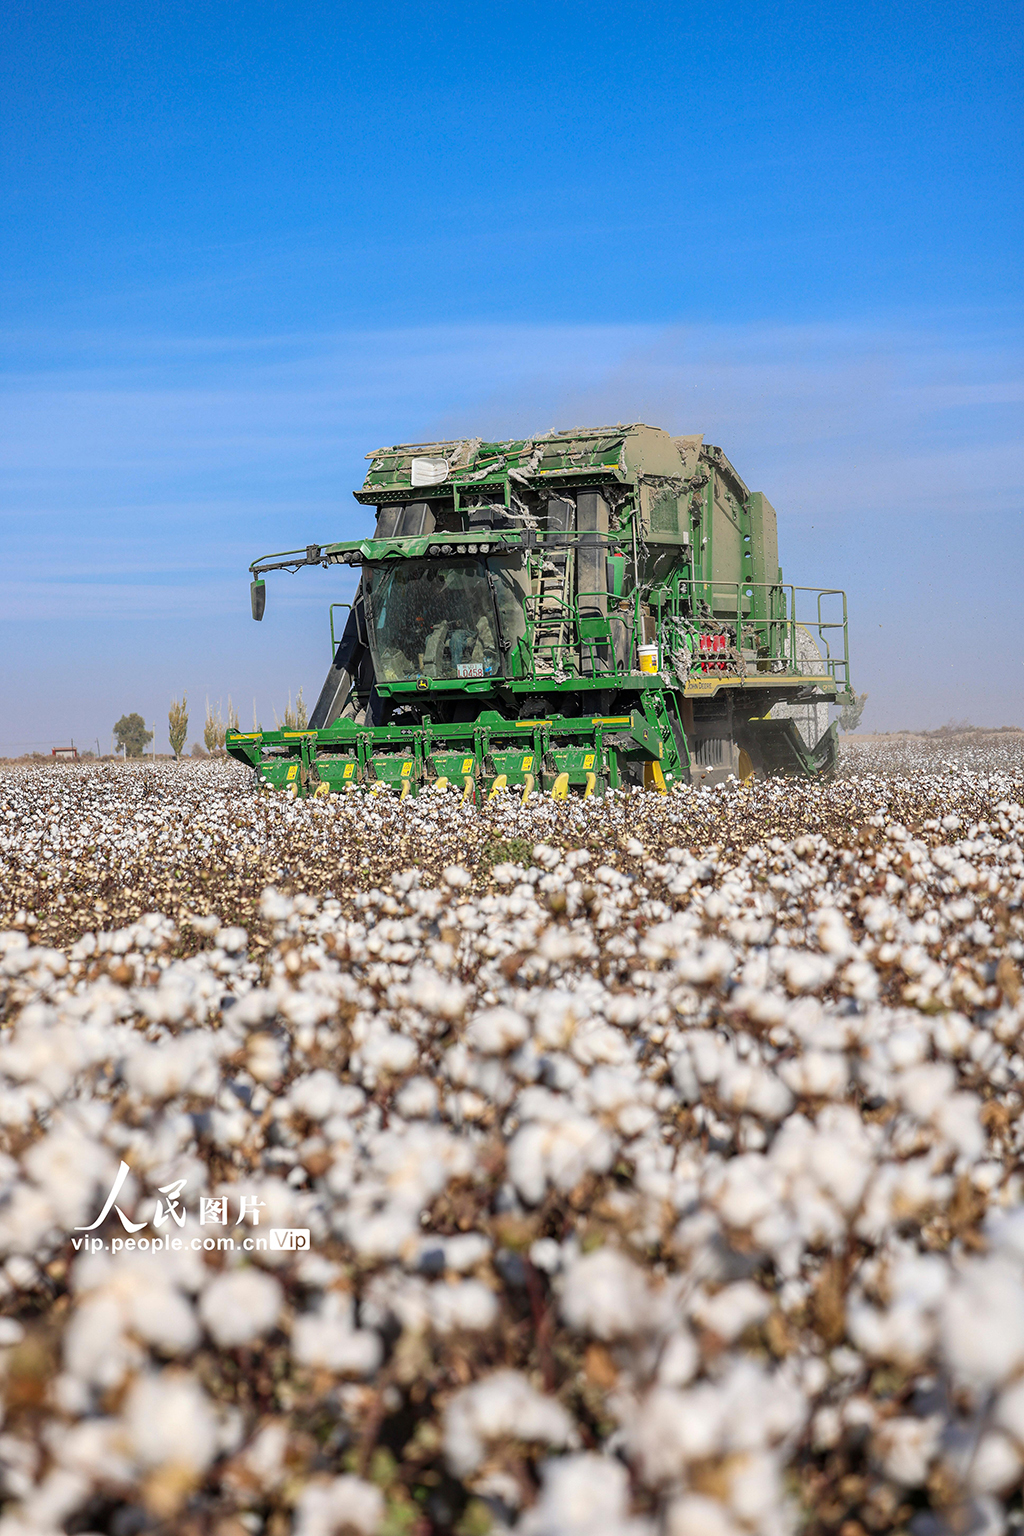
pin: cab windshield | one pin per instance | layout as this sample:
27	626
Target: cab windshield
433	620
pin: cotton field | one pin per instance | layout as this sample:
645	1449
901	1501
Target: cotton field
640	1167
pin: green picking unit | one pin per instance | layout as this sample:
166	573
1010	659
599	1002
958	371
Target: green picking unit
595	608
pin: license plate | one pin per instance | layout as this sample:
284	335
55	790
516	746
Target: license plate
470	669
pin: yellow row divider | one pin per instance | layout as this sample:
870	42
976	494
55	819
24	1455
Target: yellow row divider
527	788
560	788
654	778
500	783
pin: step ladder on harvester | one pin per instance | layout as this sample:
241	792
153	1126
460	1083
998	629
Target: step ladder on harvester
553	632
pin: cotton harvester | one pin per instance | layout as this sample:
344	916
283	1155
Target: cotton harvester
587	609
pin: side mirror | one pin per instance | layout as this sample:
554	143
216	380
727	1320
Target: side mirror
258	596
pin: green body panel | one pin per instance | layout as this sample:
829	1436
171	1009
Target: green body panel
602	603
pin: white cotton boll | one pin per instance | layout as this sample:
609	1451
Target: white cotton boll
168	1067
96	1348
327	1338
465	1304
903	1334
711	1056
898	1192
607	1295
275	907
264	1456
457	877
319	1095
982	1325
832	932
709	964
816	1074
232	940
742	1190
417	1100
464	1250
48	1506
760	1005
695	1515
70	1168
958	1121
1010	1411
497	1031
236	1308
996	1464
160	1314
582	1495
558	1154
922	1089
672	1428
732	1310
806	971
685	1078
95	1448
749	1087
755	1486
760	1408
826	1429
679	1360
430	992
169	1420
841	1167
386	1052
342	1505
499	1407
905	1447
546	1255
265	1058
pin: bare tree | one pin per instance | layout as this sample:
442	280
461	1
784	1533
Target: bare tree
177	723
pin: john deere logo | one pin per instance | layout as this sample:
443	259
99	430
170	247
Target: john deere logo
423	682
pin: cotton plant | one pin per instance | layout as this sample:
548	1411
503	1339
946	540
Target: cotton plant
658	1157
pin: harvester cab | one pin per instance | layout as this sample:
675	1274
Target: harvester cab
582	610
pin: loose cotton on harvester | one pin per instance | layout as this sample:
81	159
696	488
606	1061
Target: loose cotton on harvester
589	609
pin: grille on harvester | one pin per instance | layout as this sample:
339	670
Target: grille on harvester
713	752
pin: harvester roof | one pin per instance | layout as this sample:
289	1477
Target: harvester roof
626	451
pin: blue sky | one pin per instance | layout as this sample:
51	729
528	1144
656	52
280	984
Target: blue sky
244	244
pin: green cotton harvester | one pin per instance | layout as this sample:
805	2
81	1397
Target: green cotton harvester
599	608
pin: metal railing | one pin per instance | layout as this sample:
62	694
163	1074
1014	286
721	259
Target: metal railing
582	641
